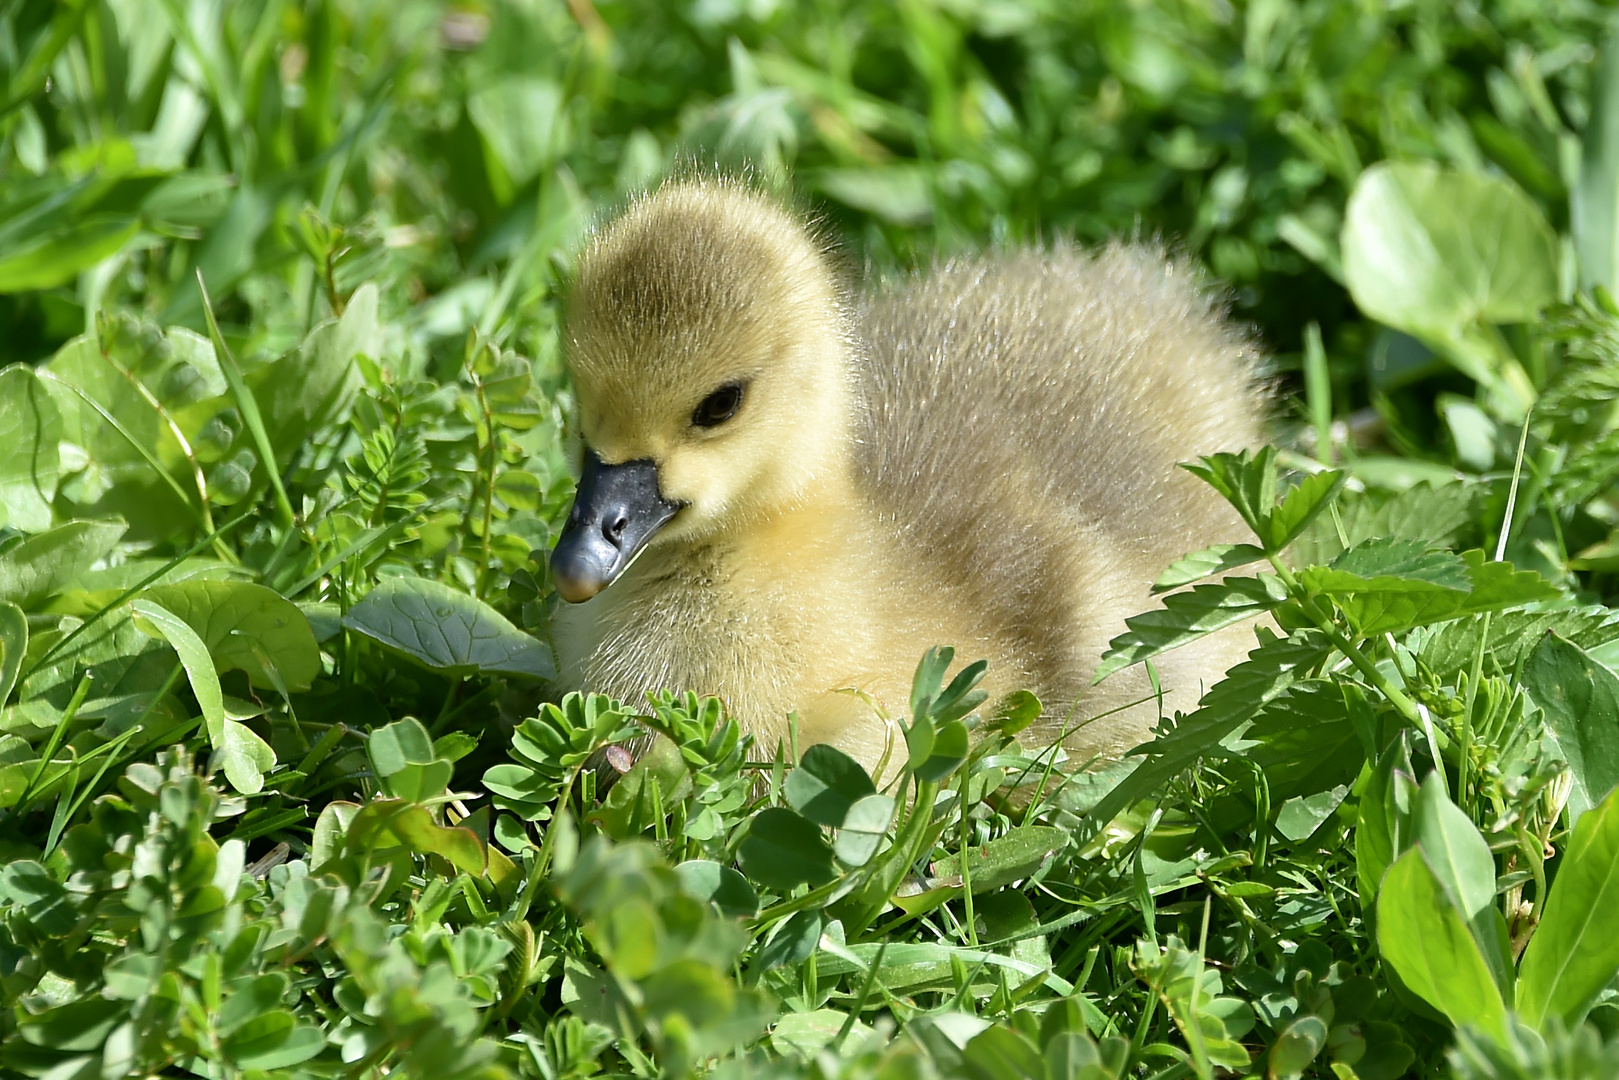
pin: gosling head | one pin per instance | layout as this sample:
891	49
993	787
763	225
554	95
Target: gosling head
709	351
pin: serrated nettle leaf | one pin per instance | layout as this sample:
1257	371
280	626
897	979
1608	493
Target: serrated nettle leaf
783	850
1575	952
1425	938
246	627
1206	563
1270	670
1580	700
1187	616
1389	557
826	783
1302	504
1422	594
447	630
1247	481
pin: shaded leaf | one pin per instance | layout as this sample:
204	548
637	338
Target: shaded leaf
448	631
783	850
247	627
1580	699
1574	952
1425	939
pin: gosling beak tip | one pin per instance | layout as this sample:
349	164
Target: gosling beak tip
616	511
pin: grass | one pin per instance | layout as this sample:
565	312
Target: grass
279	285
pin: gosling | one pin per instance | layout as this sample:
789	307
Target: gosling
792	493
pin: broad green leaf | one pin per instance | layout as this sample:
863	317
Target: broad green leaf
945	753
447	630
826	784
1594	202
1248	483
803	1034
1187	616
44	565
783	850
523	123
132	465
1457	852
56	259
265	1045
1430	251
1575	951
1580	699
1297	1046
863	829
30	462
249	998
1005	859
152	618
1383	831
1302	504
1016	712
1426	940
793	940
314	385
1206	563
895	193
729	890
244	758
1300	816
415	826
247	627
13	646
1460	859
998	1052
405	762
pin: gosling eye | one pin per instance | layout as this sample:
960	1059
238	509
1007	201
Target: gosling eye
718	407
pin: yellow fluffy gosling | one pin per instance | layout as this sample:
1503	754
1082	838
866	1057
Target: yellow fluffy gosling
789	493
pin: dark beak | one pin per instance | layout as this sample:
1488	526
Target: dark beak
615	513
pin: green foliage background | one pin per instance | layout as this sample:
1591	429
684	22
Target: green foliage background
282	785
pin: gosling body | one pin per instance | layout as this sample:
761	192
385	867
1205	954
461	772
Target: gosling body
983	456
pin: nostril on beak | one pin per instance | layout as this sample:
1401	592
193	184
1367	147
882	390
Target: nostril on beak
614	529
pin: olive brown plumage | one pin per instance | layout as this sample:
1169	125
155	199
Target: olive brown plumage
792	494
